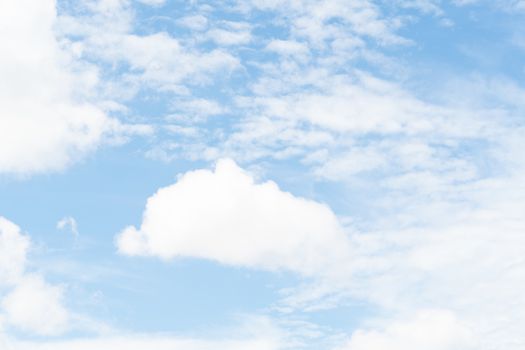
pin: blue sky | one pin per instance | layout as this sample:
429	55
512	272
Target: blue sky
262	174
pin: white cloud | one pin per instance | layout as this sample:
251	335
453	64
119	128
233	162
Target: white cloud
429	329
153	2
314	20
13	252
35	306
68	222
196	109
46	120
195	22
253	332
464	2
460	249
352	162
362	105
226	37
30	304
157	60
225	216
162	60
425	6
288	48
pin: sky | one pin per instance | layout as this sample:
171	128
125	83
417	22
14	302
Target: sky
262	174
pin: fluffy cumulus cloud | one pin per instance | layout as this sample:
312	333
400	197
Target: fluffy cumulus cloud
35	306
224	215
46	122
27	301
